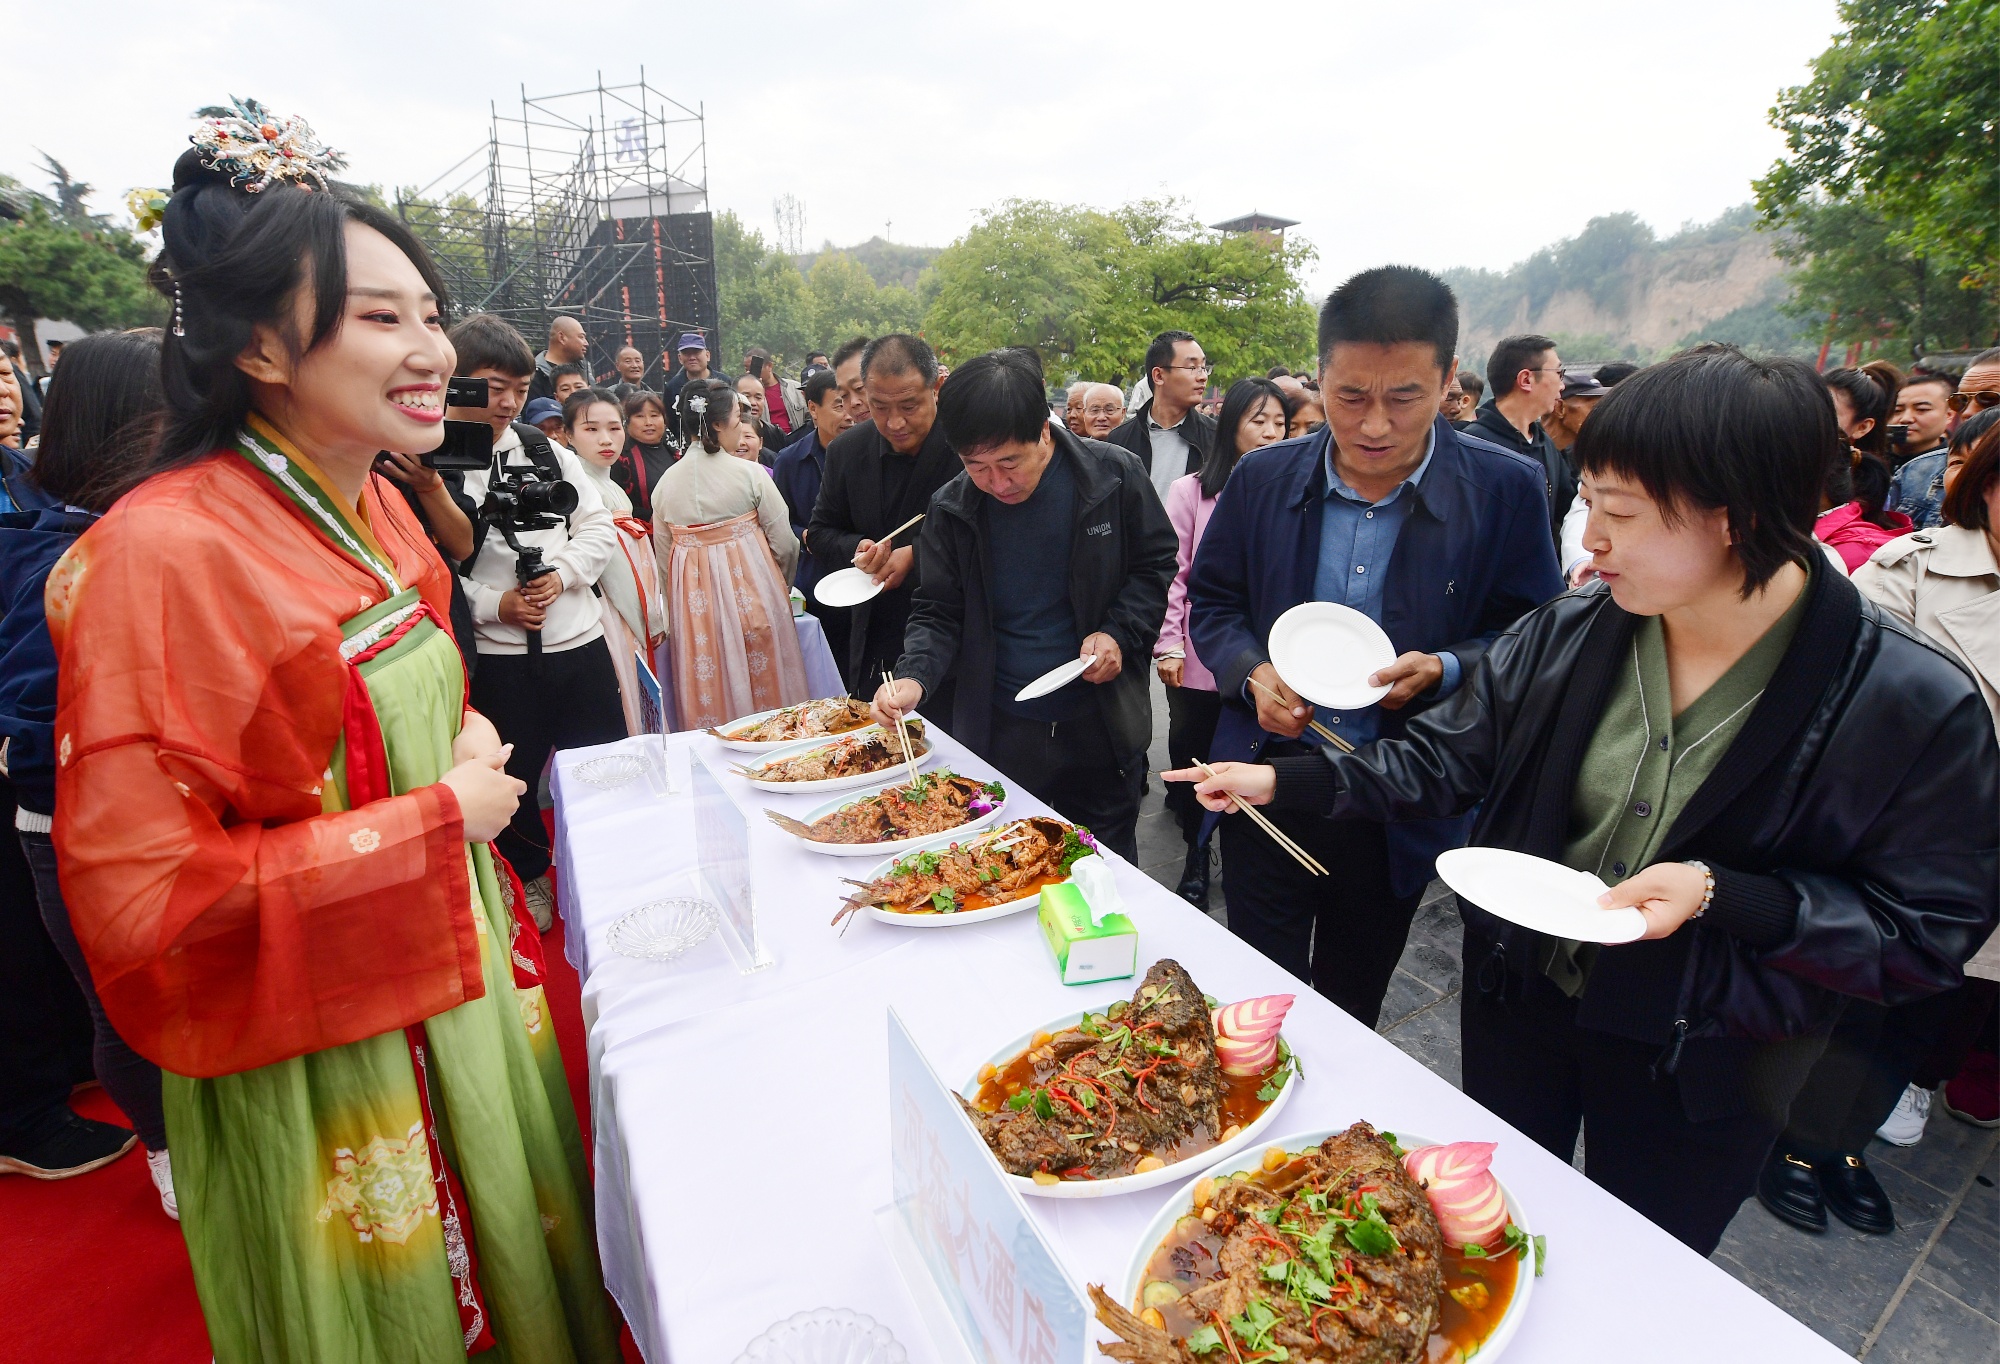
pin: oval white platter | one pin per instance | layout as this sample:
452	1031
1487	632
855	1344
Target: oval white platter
893	847
772	745
848	783
1247	1161
954	920
1152	1179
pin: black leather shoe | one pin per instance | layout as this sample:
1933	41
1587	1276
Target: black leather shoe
1789	1190
1194	878
1854	1196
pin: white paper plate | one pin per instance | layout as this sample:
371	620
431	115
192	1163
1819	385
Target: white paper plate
846	587
960	920
894	846
806	788
773	745
1326	652
1535	893
1182	1205
1152	1179
1055	679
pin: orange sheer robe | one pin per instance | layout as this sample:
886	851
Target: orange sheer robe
228	921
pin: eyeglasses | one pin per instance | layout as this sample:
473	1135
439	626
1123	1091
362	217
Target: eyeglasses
1979	400
1198	367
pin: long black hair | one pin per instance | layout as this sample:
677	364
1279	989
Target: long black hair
101	419
1237	404
234	261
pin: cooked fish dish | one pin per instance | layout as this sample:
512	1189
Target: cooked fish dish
853	756
1123	1092
932	804
1331	1255
1008	863
807	720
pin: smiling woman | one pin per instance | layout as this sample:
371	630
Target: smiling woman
277	807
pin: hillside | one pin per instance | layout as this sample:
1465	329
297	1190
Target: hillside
1615	290
887	262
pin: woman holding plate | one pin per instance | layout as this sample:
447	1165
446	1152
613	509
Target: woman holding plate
275	807
1750	752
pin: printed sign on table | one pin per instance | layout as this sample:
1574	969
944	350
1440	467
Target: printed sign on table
1005	1288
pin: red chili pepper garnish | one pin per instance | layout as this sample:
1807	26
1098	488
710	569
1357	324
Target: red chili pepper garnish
1222	1327
1273	1240
1080	1171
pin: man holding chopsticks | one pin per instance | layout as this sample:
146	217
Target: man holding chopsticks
1440	538
880	474
1047	549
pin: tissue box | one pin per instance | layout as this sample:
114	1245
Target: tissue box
1088	947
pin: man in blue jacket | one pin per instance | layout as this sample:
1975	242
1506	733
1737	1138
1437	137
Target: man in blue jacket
1441	538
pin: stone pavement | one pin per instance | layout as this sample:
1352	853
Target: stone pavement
1928	1292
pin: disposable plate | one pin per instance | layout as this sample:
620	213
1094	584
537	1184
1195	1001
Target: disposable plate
1535	893
1056	678
773	745
848	783
894	846
1152	1179
1326	652
955	920
846	587
1181	1205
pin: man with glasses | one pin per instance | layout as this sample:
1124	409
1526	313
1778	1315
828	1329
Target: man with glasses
1930	416
1526	380
1168	434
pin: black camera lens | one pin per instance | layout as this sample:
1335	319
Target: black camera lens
547	499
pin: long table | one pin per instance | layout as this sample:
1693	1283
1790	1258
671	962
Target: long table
741	1124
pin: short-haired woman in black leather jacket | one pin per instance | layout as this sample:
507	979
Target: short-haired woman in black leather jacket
1720	704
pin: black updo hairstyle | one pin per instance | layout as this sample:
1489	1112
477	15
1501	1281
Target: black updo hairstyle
718	401
1863	475
237	260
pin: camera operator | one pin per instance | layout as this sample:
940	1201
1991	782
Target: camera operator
545	678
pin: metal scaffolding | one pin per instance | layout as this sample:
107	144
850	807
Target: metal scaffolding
592	203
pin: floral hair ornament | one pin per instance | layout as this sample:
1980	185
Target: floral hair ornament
255	147
698	405
147	207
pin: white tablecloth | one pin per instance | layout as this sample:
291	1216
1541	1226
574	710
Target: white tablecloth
742	1131
822	671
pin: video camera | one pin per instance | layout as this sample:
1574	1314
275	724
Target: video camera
467	445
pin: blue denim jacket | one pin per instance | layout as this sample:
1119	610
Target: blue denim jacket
1918	490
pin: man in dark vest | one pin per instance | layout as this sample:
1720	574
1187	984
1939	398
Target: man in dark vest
1168	435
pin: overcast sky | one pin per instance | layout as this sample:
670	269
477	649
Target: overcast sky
1437	134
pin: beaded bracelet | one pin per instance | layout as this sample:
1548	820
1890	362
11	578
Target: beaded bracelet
1708	885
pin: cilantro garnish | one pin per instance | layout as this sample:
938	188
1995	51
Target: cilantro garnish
1254	1326
1520	1243
1033	1098
945	901
1205	1341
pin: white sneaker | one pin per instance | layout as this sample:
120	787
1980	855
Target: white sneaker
162	1171
1905	1126
542	901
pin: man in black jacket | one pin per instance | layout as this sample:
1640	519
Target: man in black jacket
1526	380
1074	531
1168	435
878	475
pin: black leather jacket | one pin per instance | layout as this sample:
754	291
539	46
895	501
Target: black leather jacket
1851	827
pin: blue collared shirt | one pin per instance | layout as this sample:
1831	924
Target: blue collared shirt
1356	539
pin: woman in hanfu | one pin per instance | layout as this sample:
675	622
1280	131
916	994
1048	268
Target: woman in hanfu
275	809
636	623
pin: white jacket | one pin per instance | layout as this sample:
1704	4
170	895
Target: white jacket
579	552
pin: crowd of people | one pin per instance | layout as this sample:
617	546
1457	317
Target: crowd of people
277	692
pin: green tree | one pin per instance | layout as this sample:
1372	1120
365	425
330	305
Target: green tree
89	274
766	302
1088	289
1890	186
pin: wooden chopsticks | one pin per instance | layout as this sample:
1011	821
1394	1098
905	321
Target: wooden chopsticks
1314	725
1304	858
902	728
900	529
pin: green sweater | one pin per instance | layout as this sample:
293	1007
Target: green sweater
1644	762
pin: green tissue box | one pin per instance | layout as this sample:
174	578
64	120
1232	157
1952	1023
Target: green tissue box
1088	948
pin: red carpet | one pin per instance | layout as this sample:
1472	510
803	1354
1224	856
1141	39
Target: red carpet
94	1271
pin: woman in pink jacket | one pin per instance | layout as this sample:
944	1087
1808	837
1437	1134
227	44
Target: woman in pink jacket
1253	414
